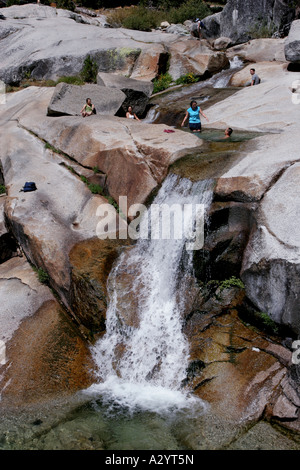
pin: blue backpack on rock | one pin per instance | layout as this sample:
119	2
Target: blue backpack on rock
29	186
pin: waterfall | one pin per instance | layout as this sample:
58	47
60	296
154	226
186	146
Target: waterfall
142	361
222	79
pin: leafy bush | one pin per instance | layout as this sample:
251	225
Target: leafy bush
188	78
73	80
65	4
43	276
2	189
261	29
188	11
162	82
89	70
143	19
117	17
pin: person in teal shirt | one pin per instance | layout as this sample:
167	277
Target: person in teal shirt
193	113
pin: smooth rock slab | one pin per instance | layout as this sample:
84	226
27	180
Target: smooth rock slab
135	156
259	50
292	43
271	265
69	99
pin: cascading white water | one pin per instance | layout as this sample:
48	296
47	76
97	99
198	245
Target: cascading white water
144	364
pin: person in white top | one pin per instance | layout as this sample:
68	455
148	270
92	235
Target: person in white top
130	114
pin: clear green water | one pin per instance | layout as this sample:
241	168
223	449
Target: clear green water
216	156
84	424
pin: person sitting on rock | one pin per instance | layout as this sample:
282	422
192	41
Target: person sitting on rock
193	113
130	114
255	80
88	108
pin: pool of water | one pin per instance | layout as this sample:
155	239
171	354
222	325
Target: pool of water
217	155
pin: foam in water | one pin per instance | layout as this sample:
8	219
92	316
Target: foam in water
142	363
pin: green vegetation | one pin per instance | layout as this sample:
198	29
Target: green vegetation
146	16
226	283
2	189
43	276
232	282
187	79
72	80
162	82
267	322
89	70
261	29
65	4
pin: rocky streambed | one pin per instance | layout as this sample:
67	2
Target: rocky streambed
240	314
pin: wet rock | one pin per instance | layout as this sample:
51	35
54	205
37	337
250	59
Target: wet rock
236	367
54	362
91	262
69	99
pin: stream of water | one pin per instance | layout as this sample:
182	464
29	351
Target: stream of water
139	400
150	371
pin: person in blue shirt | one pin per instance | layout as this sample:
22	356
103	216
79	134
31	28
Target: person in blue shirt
193	113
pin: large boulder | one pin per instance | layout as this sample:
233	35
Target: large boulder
34	366
48	222
137	91
259	50
292	43
194	57
46	43
271	265
241	20
265	71
69	99
267	173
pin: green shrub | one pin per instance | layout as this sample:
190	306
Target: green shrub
232	282
95	188
162	82
89	70
65	4
43	276
143	19
188	11
188	78
261	29
73	80
2	189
